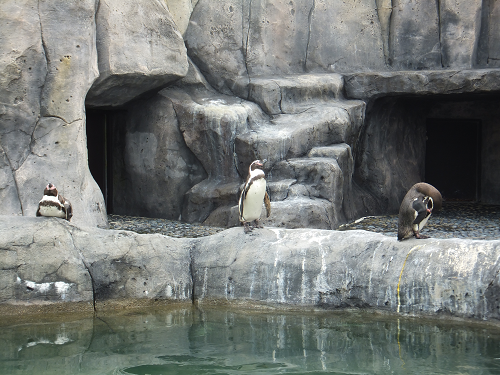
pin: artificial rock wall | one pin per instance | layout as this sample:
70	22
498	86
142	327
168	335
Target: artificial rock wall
206	87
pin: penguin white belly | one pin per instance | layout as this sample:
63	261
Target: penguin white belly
50	206
418	227
252	205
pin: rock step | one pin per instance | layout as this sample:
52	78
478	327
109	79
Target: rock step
318	180
294	135
277	95
307	191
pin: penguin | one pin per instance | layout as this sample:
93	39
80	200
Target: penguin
416	208
54	204
251	198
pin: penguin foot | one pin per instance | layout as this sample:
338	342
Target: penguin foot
247	227
257	224
420	236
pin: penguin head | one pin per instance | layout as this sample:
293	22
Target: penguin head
429	204
256	164
50	189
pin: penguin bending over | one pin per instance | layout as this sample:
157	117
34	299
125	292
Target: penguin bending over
416	208
254	192
54	204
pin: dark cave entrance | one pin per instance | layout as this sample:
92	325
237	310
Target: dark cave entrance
99	127
453	158
449	141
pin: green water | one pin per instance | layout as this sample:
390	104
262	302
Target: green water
191	341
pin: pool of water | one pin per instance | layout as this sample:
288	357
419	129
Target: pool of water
222	341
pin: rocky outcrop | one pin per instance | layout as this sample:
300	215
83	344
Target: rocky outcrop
302	127
246	39
140	51
48	64
50	261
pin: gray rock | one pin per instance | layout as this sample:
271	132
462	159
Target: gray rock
140	51
345	36
48	260
375	84
332	269
460	32
152	166
290	94
416	44
45	78
240	41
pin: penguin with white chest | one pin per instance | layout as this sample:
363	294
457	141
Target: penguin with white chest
54	204
251	198
416	208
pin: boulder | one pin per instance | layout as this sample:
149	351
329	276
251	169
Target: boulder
51	261
140	51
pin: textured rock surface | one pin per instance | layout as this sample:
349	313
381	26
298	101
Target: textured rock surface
245	39
52	261
152	166
42	121
140	50
303	113
284	78
337	269
45	260
375	84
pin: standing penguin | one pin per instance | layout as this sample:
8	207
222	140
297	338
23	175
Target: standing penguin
254	192
416	208
54	204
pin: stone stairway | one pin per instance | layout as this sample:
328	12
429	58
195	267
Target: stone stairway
307	144
305	134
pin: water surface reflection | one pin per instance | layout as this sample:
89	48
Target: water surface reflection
220	341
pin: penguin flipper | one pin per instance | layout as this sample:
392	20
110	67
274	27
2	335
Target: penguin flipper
240	203
69	210
421	210
267	202
38	212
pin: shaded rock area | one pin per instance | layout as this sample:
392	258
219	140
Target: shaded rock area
51	261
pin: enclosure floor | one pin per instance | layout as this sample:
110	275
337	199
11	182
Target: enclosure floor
172	228
456	220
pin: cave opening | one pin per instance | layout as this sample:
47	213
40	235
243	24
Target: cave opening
453	157
100	126
449	141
